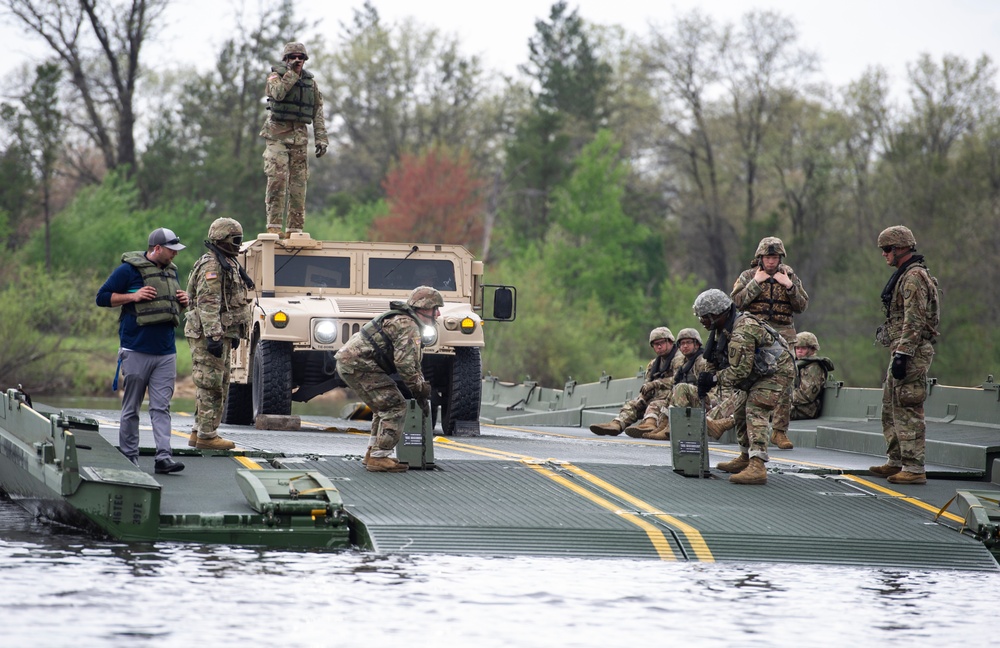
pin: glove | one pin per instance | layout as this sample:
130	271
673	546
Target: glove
706	380
320	150
215	347
236	343
423	392
679	377
647	389
898	366
425	405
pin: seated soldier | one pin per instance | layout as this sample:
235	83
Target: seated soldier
687	365
811	374
658	382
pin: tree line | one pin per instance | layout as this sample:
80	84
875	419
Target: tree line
614	177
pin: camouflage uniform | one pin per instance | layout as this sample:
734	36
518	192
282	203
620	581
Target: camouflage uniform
909	330
285	153
358	365
219	309
755	397
811	375
656	387
659	408
776	305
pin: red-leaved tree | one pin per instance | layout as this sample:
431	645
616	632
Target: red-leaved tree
433	197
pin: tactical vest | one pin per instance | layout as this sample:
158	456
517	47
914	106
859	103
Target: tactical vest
765	358
892	329
299	103
660	368
773	304
381	344
164	307
686	372
800	363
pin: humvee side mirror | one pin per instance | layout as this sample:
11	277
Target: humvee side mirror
504	303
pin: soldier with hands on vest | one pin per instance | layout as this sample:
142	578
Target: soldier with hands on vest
216	322
752	359
911	304
657	385
147	288
293	102
390	344
772	291
811	373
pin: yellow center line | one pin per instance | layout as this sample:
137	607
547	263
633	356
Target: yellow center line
247	462
909	500
692	534
656	537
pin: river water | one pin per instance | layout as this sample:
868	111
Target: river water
64	588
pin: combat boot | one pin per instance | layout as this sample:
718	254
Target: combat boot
885	470
907	477
612	428
736	465
662	431
193	439
385	464
780	439
274	229
754	473
717	427
368	455
639	430
214	443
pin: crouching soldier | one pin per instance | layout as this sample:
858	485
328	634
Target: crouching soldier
753	359
811	373
390	344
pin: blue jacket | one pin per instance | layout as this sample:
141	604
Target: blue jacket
155	339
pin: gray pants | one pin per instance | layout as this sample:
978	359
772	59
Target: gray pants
141	373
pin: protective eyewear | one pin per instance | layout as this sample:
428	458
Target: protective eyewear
296	57
237	240
173	241
888	248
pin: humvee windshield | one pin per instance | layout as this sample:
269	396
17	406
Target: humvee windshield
393	274
312	271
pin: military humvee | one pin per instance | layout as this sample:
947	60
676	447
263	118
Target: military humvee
311	296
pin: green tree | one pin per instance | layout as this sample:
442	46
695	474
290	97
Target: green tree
42	104
17	181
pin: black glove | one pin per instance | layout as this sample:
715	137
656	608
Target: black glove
214	347
899	366
236	343
423	392
706	380
425	405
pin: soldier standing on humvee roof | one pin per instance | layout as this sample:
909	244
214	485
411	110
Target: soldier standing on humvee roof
218	315
773	292
293	102
911	304
390	344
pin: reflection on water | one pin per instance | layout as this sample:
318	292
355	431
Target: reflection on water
66	589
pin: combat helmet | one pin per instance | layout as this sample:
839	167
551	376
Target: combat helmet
770	245
660	333
711	302
689	334
806	339
897	236
425	297
294	48
227	235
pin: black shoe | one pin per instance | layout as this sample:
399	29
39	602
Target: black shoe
165	466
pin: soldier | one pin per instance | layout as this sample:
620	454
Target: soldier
910	330
811	373
390	344
293	102
657	384
750	357
773	292
146	286
686	366
215	324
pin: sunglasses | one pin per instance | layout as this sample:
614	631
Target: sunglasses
173	241
888	248
296	57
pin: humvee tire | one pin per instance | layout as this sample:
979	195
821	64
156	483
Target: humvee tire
272	378
239	405
465	389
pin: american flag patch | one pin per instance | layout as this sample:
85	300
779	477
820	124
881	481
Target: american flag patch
211	275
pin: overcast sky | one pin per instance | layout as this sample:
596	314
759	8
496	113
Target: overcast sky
849	35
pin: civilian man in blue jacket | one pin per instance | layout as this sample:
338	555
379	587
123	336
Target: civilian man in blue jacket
146	287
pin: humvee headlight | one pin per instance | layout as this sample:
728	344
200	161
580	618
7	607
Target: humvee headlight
468	325
325	331
429	336
279	319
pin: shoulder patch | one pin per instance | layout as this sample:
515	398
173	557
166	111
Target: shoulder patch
273	76
211	275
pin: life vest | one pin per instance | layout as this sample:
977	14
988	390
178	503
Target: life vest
299	104
773	304
381	344
801	363
164	307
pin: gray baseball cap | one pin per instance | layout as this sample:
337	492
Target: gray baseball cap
166	238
